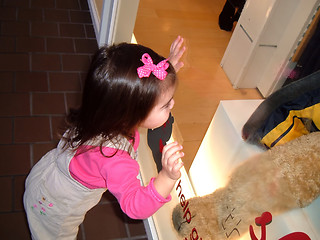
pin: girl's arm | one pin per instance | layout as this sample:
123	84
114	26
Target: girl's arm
170	172
136	201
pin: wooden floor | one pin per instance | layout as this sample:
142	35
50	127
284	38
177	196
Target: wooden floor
202	82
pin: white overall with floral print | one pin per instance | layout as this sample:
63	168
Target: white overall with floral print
55	203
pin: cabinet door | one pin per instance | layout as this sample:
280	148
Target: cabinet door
237	54
254	16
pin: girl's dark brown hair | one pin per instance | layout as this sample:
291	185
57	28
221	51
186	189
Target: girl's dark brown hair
115	100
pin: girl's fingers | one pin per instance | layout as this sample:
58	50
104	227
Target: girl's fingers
171	154
170	149
176	44
177	166
171	162
175	170
175	48
176	52
174	159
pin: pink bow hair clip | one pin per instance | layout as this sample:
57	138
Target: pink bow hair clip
158	70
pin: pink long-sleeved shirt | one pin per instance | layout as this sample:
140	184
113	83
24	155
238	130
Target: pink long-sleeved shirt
119	175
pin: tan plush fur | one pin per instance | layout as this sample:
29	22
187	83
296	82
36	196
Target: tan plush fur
278	180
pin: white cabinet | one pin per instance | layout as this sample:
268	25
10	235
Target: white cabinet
264	40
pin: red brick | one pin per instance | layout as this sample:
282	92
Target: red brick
27	14
6	130
31	82
8	13
90	31
30	44
14	62
61	81
40	149
83	78
19	104
136	227
7	44
19	182
58	127
61	45
56	15
6	81
102	221
44	29
6	199
73	100
45	62
80	17
43	4
48	103
86	45
32	129
14	159
14	226
15	28
76	62
84	5
70	4
16	3
72	30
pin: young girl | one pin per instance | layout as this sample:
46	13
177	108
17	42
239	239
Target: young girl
127	86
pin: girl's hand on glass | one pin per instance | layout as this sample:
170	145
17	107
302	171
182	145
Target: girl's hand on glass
171	162
176	51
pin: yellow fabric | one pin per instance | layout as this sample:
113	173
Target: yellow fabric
298	129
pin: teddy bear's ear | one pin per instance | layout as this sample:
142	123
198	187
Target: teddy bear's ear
286	114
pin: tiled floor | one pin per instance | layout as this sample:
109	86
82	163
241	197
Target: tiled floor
45	48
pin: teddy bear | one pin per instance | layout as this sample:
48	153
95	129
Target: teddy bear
278	180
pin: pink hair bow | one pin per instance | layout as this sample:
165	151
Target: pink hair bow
158	70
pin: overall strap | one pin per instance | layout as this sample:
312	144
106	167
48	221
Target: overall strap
121	143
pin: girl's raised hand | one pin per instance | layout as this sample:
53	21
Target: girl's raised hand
171	162
176	51
170	171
